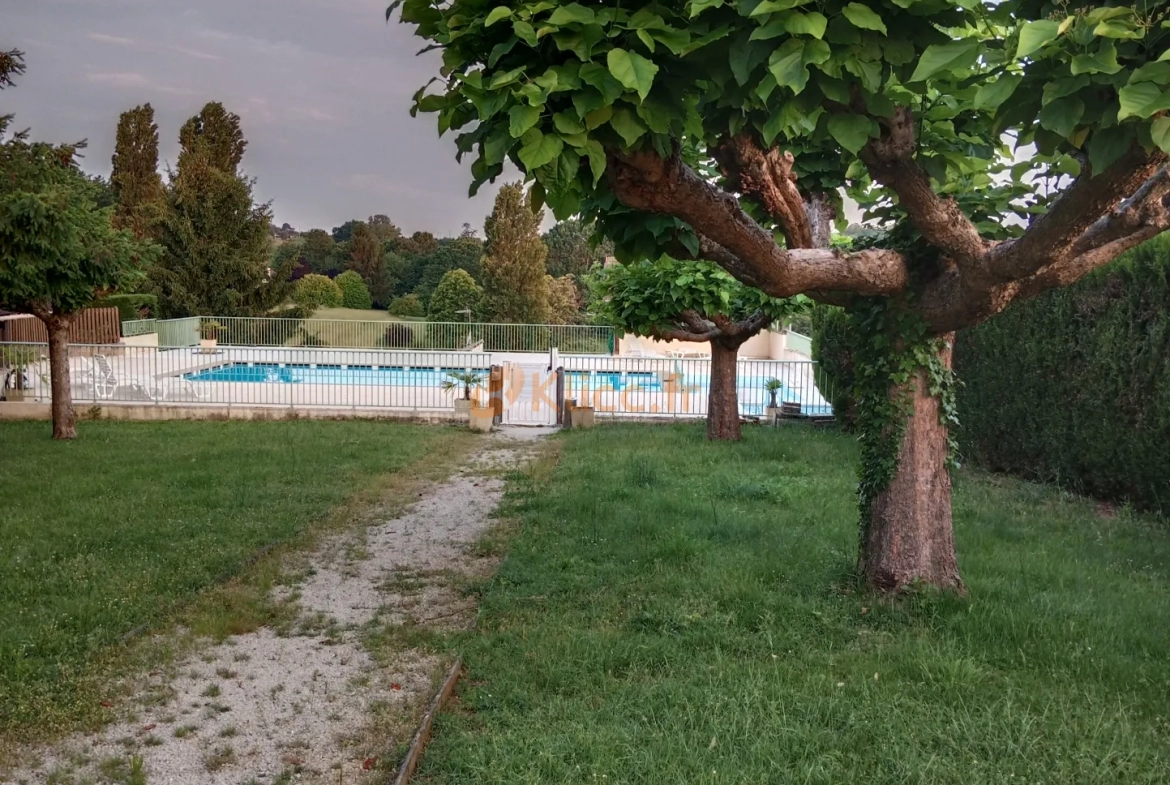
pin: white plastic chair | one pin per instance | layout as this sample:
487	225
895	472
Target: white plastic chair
106	382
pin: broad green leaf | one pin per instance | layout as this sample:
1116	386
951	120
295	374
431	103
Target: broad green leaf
632	70
598	117
869	72
944	58
699	6
863	16
499	50
772	6
744	59
498	13
1109	144
1103	61
772	128
1062	116
1165	56
596	156
647	39
570	14
520	118
812	23
567	123
540	151
1035	35
1157	72
525	32
1118	28
850	130
787	65
645	19
1062	87
897	51
1143	99
817	52
991	95
1160	133
774	29
627	124
600	77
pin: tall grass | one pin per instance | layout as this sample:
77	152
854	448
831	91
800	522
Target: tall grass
677	611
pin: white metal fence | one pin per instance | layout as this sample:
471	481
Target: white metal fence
641	386
407	380
293	378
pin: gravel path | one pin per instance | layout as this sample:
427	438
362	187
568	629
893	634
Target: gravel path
322	702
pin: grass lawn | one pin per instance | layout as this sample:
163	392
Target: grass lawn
673	611
129	524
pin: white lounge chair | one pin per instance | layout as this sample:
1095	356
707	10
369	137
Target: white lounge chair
106	382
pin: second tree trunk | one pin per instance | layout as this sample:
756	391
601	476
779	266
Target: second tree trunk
64	422
723	397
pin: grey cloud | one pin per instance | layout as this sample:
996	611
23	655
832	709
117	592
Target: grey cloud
323	88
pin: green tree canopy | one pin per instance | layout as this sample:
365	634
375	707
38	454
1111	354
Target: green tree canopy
406	305
215	238
1014	146
135	180
354	292
58	250
683	301
564	300
515	290
367	259
215	136
573	248
317	291
457	298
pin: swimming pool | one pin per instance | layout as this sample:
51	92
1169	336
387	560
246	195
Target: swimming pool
612	390
290	373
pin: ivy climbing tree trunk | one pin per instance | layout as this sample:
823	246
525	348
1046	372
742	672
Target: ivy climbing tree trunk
723	395
908	537
64	420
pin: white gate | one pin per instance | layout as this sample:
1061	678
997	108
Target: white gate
530	394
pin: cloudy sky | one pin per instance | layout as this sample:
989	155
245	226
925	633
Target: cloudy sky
323	88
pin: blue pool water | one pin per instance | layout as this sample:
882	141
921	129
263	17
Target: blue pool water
752	397
326	374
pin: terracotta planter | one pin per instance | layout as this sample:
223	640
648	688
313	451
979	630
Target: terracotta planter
772	414
463	408
480	418
16	396
207	345
581	417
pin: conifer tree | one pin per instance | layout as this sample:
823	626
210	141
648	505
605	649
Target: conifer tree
367	259
215	238
213	134
515	289
135	180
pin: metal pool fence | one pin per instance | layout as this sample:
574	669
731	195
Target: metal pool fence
676	387
268	377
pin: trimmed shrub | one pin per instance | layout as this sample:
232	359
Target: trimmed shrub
317	291
1074	386
832	349
354	292
457	291
130	306
398	336
407	305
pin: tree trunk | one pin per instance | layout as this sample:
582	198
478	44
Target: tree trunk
64	421
909	539
723	397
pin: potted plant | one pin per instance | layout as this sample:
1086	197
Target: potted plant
773	386
15	361
481	418
209	333
581	417
465	381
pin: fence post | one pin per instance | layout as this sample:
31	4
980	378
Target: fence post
496	392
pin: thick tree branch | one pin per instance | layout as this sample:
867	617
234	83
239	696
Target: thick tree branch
890	161
766	177
1149	206
1072	270
1053	237
646	181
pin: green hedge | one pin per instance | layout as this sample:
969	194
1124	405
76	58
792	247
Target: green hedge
832	349
131	307
1074	386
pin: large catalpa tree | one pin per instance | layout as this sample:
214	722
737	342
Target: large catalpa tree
727	130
